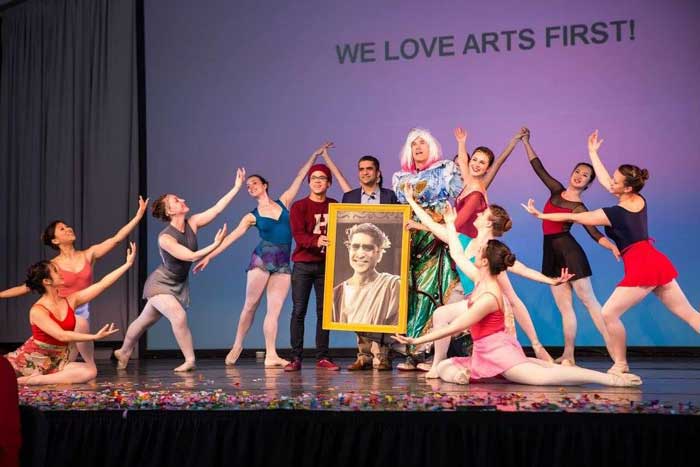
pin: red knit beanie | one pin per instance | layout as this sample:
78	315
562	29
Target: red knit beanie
320	168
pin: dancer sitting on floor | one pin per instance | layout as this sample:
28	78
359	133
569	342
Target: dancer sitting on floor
495	352
491	223
45	357
646	269
269	266
167	288
76	268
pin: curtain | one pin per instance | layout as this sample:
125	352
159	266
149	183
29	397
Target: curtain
69	143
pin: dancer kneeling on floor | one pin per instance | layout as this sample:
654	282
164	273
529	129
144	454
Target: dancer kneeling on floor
496	352
45	357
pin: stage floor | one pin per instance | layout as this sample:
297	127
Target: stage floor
670	386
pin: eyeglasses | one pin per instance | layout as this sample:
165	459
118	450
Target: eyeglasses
365	247
321	178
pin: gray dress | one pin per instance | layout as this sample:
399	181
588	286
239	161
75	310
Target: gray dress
170	278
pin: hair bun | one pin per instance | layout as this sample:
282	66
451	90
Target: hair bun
158	209
509	259
644	173
508	225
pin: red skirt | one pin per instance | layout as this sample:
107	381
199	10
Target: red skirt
645	266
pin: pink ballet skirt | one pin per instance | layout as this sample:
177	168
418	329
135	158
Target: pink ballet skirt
491	356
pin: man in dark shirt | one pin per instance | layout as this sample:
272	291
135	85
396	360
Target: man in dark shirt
371	192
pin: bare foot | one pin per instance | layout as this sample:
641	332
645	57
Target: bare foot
432	374
187	366
233	355
122	359
619	368
424	366
625	380
276	362
541	353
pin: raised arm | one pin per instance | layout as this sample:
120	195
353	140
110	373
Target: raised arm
88	294
40	318
288	196
169	244
439	230
550	182
462	154
456	249
501	159
243	226
16	291
596	217
344	185
601	172
484	305
203	218
99	250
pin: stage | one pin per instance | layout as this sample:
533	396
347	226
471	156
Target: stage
217	415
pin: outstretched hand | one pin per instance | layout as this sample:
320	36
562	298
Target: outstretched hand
131	253
524	135
616	253
519	135
565	276
199	267
449	214
530	207
412	225
461	135
593	142
408	192
323	149
220	235
240	177
106	331
402	339
142	207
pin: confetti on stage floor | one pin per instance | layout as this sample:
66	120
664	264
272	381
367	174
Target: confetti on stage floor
120	398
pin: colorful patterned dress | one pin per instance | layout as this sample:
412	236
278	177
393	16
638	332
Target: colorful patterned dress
433	276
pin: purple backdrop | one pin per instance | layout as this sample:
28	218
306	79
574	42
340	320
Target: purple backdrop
260	85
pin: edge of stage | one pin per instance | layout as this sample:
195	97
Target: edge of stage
247	414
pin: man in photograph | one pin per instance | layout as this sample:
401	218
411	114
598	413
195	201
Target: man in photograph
369	296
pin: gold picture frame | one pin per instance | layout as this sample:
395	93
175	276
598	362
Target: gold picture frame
366	267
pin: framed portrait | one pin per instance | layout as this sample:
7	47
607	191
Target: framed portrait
366	283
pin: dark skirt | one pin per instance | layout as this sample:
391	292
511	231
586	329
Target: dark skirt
563	251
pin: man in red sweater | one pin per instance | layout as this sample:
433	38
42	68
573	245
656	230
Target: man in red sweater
309	219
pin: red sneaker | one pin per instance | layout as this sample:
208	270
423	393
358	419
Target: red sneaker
294	365
327	365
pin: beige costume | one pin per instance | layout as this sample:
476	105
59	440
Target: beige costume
374	303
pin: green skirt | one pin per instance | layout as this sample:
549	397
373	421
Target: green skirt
433	278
